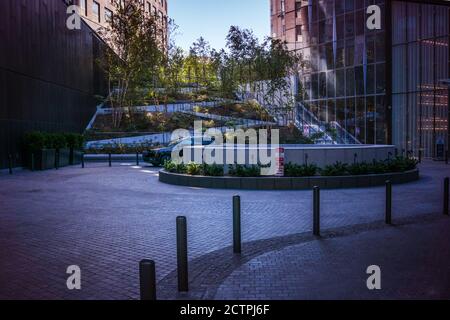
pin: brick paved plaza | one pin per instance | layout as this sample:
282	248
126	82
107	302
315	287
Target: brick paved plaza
107	219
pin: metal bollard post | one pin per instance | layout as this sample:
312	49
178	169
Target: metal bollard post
10	164
110	160
57	159
316	212
446	196
182	255
82	160
32	161
137	158
237	244
388	202
147	279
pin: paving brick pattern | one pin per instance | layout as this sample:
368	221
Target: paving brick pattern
414	262
107	219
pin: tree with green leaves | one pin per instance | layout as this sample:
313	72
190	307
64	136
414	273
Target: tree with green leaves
134	58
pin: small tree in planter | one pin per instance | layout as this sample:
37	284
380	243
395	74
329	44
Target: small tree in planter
39	154
75	143
58	142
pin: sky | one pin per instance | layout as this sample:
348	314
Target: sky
212	19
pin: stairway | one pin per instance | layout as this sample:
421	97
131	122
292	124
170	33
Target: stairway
331	132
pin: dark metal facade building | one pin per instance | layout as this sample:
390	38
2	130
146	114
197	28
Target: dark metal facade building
380	86
48	73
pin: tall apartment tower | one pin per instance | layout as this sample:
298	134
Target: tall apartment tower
378	85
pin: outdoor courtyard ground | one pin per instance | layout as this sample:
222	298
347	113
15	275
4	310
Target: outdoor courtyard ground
106	220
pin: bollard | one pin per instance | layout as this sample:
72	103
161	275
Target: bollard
446	195
137	159
237	244
57	159
82	160
110	160
388	202
182	255
316	212
10	164
32	161
147	279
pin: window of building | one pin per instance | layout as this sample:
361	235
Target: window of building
83	6
108	15
96	11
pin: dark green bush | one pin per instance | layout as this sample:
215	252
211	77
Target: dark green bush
401	164
74	141
181	168
34	141
335	170
295	170
245	171
212	170
194	169
56	141
359	169
172	167
379	167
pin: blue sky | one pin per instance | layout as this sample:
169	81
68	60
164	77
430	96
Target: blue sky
213	18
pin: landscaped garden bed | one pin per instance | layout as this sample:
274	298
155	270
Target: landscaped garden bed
297	177
148	122
248	110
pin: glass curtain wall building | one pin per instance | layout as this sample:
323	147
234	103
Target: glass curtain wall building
377	86
420	61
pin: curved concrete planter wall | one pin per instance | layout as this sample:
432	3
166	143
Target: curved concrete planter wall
274	183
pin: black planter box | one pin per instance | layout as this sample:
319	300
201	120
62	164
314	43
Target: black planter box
75	157
46	159
63	157
43	159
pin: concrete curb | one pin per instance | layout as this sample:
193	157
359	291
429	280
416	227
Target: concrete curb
276	183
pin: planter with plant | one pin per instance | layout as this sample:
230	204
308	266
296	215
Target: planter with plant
39	155
58	142
49	150
75	143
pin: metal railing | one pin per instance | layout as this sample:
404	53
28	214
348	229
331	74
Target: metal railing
333	132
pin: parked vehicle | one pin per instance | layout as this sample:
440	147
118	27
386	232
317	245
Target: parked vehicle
158	157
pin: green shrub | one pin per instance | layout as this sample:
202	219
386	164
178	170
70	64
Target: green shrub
34	141
295	170
181	168
194	169
337	169
379	167
172	167
56	141
402	164
245	171
212	170
359	169
74	141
